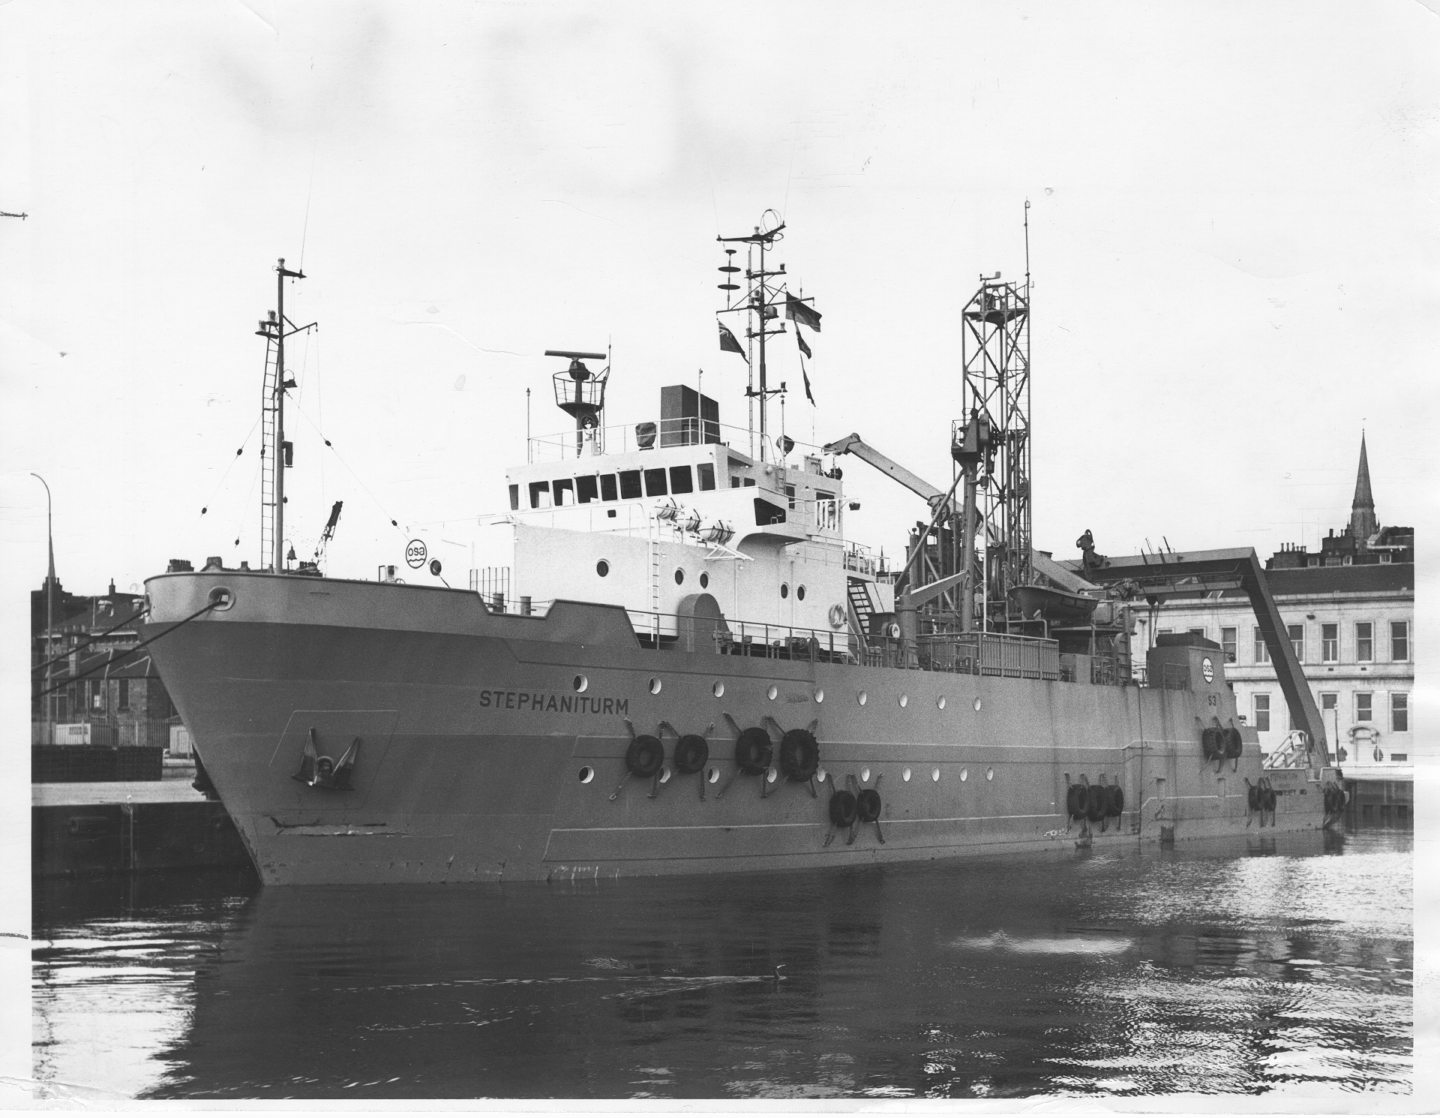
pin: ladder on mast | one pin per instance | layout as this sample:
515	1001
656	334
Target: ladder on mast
270	451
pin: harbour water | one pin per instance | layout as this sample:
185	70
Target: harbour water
1272	967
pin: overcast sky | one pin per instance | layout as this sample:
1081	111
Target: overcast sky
1233	234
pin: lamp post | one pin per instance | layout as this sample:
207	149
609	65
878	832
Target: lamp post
49	612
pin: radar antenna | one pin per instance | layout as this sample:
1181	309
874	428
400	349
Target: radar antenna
581	393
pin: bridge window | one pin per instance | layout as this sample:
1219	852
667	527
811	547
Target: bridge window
1399	712
767	512
608	491
587	489
630	484
705	471
514	496
1261	701
655	482
564	492
1329	643
539	494
680	480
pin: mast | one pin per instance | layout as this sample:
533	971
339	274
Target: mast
276	455
758	303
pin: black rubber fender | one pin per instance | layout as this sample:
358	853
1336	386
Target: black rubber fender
843	808
799	754
691	753
1095	800
1270	799
753	751
867	805
1234	743
1256	796
645	755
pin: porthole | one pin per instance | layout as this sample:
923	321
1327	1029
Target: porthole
964	775
704	580
940	702
602	568
800	593
679	576
990	774
820	776
864	775
784	590
712	775
862	698
935	775
977	702
819	694
904	700
587	774
772	776
718	690
772	692
221	598
580	683
655	686
905	774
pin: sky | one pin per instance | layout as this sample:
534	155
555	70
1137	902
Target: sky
1232	232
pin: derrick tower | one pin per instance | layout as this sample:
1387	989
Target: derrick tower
995	349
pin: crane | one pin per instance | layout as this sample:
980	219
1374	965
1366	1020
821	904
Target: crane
329	532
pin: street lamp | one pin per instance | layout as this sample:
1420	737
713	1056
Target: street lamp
49	612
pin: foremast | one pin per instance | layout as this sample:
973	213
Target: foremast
276	452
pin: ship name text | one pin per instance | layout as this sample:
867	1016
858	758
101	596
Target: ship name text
548	701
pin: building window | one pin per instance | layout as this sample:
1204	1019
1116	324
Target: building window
1198	633
1227	643
1261	701
1363	710
1364	641
1329	700
97	695
122	695
1297	641
1262	654
1399	712
1399	640
1329	643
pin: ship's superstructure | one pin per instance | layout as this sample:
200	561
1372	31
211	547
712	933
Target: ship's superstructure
689	665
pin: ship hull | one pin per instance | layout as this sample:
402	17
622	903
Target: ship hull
490	747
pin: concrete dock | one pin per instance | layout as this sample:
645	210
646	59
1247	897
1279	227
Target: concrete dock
130	827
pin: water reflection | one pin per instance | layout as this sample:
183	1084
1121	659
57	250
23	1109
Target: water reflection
1203	969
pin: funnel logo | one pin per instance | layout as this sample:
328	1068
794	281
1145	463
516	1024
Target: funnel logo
416	553
1207	669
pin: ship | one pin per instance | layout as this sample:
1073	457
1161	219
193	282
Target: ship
690	666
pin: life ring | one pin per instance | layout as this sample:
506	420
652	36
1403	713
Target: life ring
1234	743
867	805
1075	801
843	808
837	616
1095	799
645	755
799	754
1115	801
691	753
1212	743
753	751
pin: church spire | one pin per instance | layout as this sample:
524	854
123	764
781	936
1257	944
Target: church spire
1362	510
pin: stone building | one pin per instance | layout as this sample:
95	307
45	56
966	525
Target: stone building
1350	611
